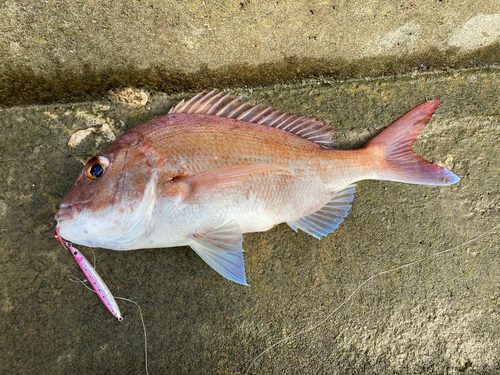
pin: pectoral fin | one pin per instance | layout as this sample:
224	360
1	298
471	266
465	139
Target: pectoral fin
215	180
329	217
221	249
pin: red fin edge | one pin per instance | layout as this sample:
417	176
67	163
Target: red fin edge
401	163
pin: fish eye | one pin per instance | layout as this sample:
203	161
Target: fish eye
96	167
96	170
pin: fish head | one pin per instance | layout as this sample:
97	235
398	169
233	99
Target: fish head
112	199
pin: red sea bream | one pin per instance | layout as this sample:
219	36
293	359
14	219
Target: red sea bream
214	168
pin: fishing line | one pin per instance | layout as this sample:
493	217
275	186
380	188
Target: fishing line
76	280
360	286
144	328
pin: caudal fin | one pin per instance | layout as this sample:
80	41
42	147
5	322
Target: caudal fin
401	163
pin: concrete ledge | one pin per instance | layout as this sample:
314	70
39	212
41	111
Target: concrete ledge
72	51
441	315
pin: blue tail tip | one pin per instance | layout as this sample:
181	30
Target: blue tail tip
452	178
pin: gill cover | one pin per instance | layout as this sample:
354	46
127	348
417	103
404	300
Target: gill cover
140	218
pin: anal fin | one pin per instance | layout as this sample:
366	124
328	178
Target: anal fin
221	249
328	218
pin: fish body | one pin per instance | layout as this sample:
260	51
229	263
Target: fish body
214	168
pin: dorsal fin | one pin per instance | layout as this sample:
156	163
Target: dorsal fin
224	106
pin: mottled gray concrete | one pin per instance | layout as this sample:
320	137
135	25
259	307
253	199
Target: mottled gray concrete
441	315
72	50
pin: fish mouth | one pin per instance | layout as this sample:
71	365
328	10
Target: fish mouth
68	213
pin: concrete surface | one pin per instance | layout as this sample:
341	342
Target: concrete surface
358	66
76	50
441	315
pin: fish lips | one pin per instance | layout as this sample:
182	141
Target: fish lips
68	213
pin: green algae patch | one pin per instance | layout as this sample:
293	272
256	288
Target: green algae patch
21	85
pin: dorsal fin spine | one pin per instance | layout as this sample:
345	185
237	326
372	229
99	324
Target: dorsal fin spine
316	133
262	121
260	115
291	124
287	120
223	106
250	112
193	108
215	107
306	127
238	109
174	109
188	103
303	126
209	103
228	107
278	119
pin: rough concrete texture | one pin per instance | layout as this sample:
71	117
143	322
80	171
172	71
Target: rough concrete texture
66	51
440	315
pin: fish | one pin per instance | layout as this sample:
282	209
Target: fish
215	167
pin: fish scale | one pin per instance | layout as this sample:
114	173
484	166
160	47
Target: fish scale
247	146
200	177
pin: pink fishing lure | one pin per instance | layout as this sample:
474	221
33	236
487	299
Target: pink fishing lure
94	279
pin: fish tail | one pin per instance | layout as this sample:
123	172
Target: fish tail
401	163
